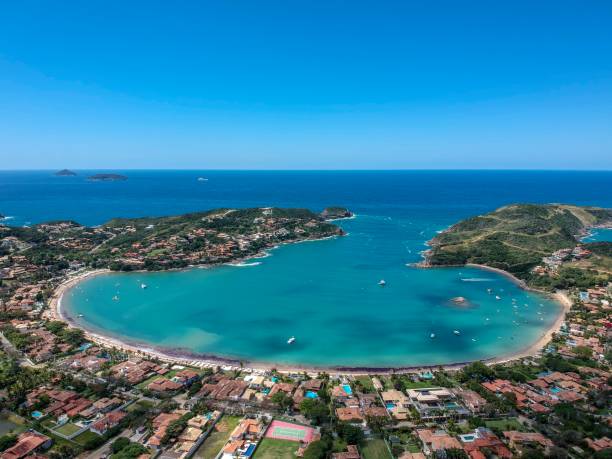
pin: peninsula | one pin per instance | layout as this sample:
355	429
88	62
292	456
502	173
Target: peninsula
537	243
159	243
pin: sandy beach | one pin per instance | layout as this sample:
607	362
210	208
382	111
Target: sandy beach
185	357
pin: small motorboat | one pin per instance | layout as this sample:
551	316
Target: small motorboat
382	283
115	298
456	332
291	340
497	297
80	315
432	336
143	286
202	179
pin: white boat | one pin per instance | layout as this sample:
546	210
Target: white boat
432	336
291	340
143	286
202	179
115	298
456	332
497	297
489	290
80	315
382	283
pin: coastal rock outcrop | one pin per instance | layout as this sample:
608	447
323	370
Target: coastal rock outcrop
332	213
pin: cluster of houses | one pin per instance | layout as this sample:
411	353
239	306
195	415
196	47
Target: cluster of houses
551	263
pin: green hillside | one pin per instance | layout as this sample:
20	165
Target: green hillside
515	238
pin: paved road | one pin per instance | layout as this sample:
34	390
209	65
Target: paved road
23	359
104	450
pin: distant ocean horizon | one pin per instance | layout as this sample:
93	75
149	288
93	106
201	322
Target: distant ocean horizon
324	293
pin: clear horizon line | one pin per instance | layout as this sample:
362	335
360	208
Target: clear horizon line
108	169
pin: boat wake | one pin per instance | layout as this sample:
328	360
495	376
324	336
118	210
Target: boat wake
245	265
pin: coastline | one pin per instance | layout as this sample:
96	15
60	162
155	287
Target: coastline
187	357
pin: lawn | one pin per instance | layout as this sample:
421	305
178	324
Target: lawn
505	424
68	429
270	448
140	404
83	438
366	383
417	384
375	449
215	441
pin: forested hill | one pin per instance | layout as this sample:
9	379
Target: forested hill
517	237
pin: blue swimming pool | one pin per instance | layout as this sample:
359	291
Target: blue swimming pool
347	389
556	390
390	406
249	450
311	394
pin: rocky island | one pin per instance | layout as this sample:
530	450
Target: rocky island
539	244
107	177
65	173
334	213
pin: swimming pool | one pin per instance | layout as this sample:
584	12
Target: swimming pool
390	406
311	394
347	389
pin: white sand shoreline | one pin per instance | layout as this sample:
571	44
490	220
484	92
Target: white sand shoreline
184	357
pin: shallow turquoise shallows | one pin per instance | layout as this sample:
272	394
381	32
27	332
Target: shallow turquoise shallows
326	294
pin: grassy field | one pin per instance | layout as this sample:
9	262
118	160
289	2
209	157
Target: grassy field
366	383
83	438
417	384
215	441
505	424
68	429
270	448
375	449
140	404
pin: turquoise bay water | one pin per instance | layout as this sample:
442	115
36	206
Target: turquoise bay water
326	294
599	235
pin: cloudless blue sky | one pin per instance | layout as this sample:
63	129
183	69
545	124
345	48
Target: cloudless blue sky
242	84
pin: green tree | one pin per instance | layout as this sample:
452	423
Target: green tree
6	441
350	433
282	399
317	450
315	410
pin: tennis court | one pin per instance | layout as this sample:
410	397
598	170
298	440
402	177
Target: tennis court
286	431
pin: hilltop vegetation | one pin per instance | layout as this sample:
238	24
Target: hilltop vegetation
517	237
157	243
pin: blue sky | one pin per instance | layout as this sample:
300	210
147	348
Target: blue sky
306	84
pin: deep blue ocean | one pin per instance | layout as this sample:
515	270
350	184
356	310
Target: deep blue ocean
324	293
